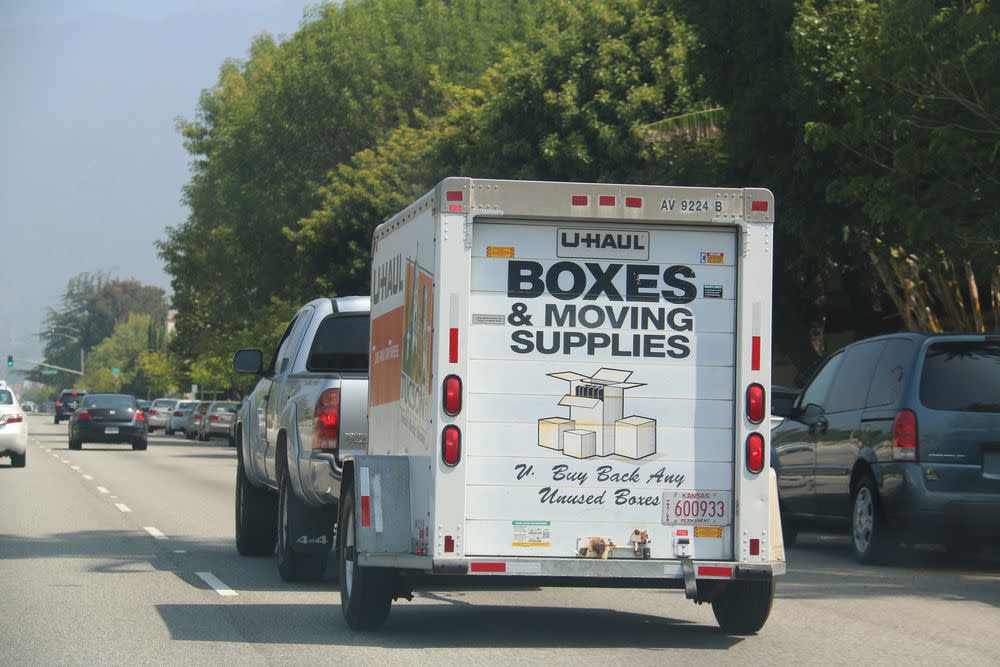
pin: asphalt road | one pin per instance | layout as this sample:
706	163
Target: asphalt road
101	550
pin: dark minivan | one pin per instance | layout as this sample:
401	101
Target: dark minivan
898	437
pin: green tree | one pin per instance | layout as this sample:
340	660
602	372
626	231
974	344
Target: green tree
123	350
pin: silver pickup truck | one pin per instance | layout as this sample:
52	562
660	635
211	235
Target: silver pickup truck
309	408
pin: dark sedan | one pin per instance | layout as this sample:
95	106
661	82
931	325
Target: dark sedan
112	418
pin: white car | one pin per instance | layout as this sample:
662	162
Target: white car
13	429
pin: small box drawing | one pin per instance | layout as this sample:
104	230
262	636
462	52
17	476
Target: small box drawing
596	406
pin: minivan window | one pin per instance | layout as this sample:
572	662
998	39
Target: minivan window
851	386
819	387
890	374
340	345
961	376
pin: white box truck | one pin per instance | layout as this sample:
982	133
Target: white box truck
568	386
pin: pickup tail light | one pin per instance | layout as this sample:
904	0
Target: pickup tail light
326	423
904	436
83	416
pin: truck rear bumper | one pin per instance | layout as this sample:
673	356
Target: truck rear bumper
318	481
586	569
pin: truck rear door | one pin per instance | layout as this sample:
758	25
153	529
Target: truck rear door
600	388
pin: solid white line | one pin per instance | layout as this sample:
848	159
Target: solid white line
88	477
102	489
155	532
216	583
123	508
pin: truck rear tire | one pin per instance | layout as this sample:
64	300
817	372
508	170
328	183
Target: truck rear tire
75	444
365	592
743	607
298	565
256	516
18	460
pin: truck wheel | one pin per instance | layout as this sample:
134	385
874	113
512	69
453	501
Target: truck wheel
365	592
139	445
789	531
298	565
55	420
869	538
256	516
75	444
743	607
168	431
18	460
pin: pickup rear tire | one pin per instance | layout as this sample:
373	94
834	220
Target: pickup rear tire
365	592
743	606
256	516
298	565
18	460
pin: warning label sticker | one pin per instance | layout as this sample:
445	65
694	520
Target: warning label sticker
531	534
708	531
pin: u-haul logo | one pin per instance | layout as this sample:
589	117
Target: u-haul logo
602	244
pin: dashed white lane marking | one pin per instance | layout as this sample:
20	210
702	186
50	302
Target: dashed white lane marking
114	497
217	584
180	551
55	456
64	461
88	477
123	508
155	532
102	489
75	467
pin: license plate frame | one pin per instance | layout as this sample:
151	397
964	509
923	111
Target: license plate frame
111	430
697	508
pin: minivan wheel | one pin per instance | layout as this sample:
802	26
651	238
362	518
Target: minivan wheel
868	529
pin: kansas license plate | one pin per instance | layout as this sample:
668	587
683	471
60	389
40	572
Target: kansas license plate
111	430
705	508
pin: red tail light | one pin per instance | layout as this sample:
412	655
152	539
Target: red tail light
451	445
326	423
755	403
452	395
755	452
904	436
213	418
139	417
197	417
178	413
58	403
83	416
10	419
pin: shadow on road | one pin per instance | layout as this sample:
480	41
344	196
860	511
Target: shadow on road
823	566
443	626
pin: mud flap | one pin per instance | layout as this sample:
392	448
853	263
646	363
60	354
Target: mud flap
690	583
382	499
310	529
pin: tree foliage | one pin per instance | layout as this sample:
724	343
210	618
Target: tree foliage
875	124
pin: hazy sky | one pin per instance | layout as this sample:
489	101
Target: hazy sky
91	165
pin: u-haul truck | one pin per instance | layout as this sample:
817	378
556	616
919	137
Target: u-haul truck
568	386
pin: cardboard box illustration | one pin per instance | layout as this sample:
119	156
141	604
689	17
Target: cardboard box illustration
551	430
596	404
635	437
579	443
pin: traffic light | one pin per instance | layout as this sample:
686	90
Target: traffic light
10	359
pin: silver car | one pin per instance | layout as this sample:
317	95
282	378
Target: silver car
179	415
158	415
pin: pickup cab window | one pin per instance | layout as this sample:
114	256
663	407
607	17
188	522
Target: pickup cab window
340	345
280	348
